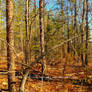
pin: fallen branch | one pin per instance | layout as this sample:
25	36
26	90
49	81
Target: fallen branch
27	70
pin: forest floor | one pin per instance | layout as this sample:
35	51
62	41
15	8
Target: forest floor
66	75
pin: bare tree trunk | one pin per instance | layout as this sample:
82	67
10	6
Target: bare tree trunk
27	70
27	56
68	44
75	20
22	85
35	11
42	29
62	13
82	30
87	28
68	33
43	22
10	45
27	46
71	5
75	15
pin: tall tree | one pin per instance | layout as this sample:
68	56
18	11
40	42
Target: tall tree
35	24
63	21
27	56
42	30
68	30
82	30
10	45
87	28
75	20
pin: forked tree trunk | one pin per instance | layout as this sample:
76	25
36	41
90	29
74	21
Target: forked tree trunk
23	81
10	45
27	46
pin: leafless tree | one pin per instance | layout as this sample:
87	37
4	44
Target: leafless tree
10	41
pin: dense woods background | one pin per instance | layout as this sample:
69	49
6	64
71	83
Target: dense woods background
45	45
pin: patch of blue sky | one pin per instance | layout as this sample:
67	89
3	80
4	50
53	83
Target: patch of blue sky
52	5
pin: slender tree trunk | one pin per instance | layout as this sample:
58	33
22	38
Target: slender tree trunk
35	11
75	21
68	33
27	46
82	30
68	44
71	5
22	85
27	70
62	13
27	31
75	15
87	28
10	45
42	29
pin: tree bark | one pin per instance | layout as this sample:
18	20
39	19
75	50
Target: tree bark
22	85
68	31
27	70
63	21
68	44
27	50
35	24
42	30
75	21
87	28
82	30
10	45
